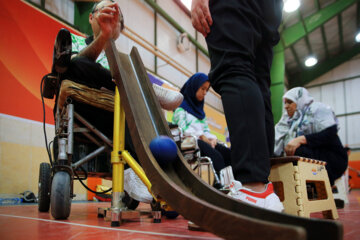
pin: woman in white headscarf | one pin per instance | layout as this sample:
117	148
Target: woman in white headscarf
309	129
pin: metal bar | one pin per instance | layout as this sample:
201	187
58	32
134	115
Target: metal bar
91	138
296	57
293	51
93	129
358	15
117	164
347	114
335	81
169	61
196	54
296	32
155	41
157	8
80	130
316	71
341	37
156	51
323	34
137	169
307	41
88	157
70	129
345	109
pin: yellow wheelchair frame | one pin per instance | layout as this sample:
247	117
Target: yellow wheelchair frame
119	157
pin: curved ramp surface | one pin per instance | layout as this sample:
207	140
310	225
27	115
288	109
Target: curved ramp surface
180	187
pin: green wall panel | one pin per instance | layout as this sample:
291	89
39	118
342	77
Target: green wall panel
277	81
81	18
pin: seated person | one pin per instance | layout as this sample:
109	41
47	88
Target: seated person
191	119
89	65
309	129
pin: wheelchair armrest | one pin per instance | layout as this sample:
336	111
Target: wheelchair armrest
189	143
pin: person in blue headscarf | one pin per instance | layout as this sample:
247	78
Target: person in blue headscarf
191	119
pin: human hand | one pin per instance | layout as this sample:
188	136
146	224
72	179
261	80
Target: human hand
108	19
201	17
213	142
294	144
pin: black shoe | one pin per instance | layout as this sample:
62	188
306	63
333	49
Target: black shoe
217	185
339	203
62	51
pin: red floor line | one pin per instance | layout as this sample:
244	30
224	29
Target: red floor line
108	228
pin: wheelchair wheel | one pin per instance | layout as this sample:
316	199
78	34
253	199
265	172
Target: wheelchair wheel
44	187
130	202
60	195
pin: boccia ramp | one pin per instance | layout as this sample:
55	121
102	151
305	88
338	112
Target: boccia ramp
183	190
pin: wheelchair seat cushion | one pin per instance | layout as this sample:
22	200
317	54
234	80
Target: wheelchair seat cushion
81	93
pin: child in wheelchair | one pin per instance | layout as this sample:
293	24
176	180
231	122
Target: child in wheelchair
191	119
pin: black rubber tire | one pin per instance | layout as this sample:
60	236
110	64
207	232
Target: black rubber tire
60	195
44	187
130	203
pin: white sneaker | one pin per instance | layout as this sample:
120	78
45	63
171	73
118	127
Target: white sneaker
169	99
266	199
135	187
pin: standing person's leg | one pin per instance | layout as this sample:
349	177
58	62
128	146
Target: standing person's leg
263	59
262	72
232	41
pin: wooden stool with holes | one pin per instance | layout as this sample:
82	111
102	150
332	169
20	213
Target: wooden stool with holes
303	186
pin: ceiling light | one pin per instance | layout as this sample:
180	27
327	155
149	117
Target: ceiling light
310	61
357	37
291	5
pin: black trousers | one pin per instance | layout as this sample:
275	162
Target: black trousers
220	155
240	46
87	72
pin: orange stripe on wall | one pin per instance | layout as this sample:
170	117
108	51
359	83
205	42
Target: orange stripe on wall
25	57
17	101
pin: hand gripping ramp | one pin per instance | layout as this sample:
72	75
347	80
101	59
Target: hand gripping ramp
180	187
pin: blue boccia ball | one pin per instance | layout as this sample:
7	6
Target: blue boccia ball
164	149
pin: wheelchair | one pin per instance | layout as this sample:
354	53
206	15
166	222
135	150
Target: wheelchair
202	165
80	149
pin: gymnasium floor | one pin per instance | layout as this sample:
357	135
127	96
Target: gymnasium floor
25	222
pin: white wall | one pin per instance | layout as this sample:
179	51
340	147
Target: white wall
340	88
62	8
